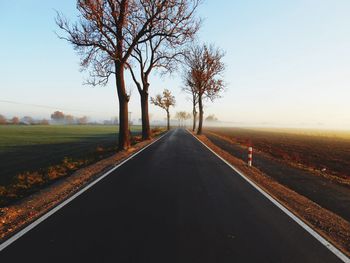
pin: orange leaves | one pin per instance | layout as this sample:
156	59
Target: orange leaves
23	183
205	68
55	172
165	100
30	179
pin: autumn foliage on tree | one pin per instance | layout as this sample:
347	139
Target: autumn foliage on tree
203	76
165	101
109	31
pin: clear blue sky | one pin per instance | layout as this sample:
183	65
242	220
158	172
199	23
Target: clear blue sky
288	63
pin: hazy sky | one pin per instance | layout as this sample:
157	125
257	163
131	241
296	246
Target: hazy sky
288	64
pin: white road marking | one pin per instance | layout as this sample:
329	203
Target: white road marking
70	199
312	232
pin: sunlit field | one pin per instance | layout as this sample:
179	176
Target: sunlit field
321	150
338	134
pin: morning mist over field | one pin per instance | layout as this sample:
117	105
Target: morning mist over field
287	65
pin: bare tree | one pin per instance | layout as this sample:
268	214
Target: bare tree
69	119
165	101
163	51
2	120
211	118
82	120
182	116
15	120
179	117
44	122
107	34
205	69
58	116
187	117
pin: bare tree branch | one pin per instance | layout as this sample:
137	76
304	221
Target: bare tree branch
110	33
203	76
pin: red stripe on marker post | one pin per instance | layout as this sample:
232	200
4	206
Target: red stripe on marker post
250	156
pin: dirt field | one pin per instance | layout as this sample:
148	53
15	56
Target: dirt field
324	151
324	190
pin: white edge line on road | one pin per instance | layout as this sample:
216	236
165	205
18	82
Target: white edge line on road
312	232
12	239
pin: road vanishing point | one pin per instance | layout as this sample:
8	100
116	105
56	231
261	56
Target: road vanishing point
173	202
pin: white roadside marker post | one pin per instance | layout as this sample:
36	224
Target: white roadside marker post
250	156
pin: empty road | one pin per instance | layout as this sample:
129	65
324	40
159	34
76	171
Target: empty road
174	202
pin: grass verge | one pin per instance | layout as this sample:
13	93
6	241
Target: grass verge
329	225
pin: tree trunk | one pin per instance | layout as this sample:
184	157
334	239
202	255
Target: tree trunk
200	106
168	119
194	117
146	130
124	136
194	120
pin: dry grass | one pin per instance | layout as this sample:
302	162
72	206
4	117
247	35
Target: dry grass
329	225
29	182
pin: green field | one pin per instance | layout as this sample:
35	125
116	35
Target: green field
31	148
15	135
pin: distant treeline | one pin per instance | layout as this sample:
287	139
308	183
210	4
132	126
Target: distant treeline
26	120
57	117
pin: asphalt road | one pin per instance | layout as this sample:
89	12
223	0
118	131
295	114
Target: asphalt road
174	202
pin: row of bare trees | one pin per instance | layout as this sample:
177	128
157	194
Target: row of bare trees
112	36
182	116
